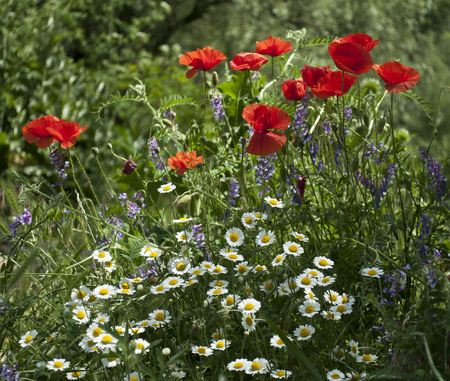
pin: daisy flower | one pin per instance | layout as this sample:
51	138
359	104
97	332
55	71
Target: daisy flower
161	316
331	316
88	345
51	337
105	291
265	238
354	350
137	329
304	332
110	266
300	236
81	315
323	262
178	375
243	268
367	359
81	294
249	322
276	342
102	318
309	295
106	341
184	250
339	352
143	323
258	366
190	282
208	266
218	283
313	272
347	299
260	216
126	283
239	365
332	297
184	236
166	188
232	255
326	281
267	286
335	374
218	335
293	248
216	291
234	237
309	308
259	269
202	351
218	269
110	362
344	309
373	272
231	301
101	256
173	282
220	345
120	329
27	339
161	289
133	377
353	376
58	364
249	306
179	265
278	260
249	220
94	330
76	374
306	280
273	202
280	373
142	346
183	220
150	252
196	271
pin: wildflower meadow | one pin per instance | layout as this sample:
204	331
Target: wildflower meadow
284	233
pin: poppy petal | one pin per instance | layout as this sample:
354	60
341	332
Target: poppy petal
266	143
398	77
350	57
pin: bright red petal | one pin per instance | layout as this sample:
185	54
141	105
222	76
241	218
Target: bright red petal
202	59
37	129
294	89
263	117
251	61
273	46
266	143
398	77
360	38
350	57
312	74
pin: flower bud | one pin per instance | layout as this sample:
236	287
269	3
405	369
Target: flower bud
94	151
167	122
166	351
215	78
109	146
139	287
128	167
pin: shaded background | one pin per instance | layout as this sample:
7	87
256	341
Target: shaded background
66	57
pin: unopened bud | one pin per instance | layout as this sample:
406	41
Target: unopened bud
167	122
94	151
140	287
166	351
109	146
215	78
128	167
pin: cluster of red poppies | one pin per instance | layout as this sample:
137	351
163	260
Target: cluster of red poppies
49	128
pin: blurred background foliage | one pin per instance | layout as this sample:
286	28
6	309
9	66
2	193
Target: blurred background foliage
65	58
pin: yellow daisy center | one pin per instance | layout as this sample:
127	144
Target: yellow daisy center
355	376
101	255
28	338
219	283
153	254
330	315
90	343
183	237
335	376
234	237
256	365
248	220
313	273
76	374
306	281
280	342
344	299
140	346
249	306
232	256
173	282
340	353
242	269
292	285
81	294
367	358
354	349
111	359
333	297
220	344
259	268
58	364
265	239
125	285
159	288
293	248
103	291
119	330
372	272
207	266
166	188
257	215
217	292
96	332
273	202
268	286
217	336
238	365
230	301
108	264
304	332
196	272
81	315
181	266
323	262
201	350
144	324
183	219
299	236
309	309
341	309
218	269
281	373
133	378
159	316
106	339
249	320
279	259
325	280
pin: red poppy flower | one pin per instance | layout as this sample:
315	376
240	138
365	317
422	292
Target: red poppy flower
262	118
312	74
331	84
360	38
202	59
251	61
273	46
66	133
398	77
184	161
350	57
294	89
37	130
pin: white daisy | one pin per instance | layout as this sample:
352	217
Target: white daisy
335	374
280	373
137	329
110	362
133	377
332	297
81	315
183	220
273	202
258	366
105	291
260	216
218	283
231	255
196	271
102	318
178	375
106	341
373	272
150	252
109	266
265	238
94	330
88	345
80	294
309	295
208	266
160	316
344	309
313	272
293	248
304	332
202	351
367	359
220	345
231	301
51	337
218	269
306	280
300	236
323	262
276	342
354	350
58	364
185	250
166	188
278	260
249	306
249	322
217	291
326	281
239	365
339	352
353	376
309	308
141	346
76	374
234	237
184	236
173	282
243	268
329	315
120	329
259	269
101	256
161	289
249	220
218	335
27	339
178	265
267	286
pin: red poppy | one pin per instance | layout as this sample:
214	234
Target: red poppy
262	118
360	38
398	77
66	133
294	89
273	46
202	59
250	61
350	57
184	161
331	84
312	74
37	130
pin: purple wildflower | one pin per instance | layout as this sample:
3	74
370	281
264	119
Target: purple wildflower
200	240
431	276
57	160
234	191
153	151
397	279
149	271
371	152
216	103
313	149
435	176
301	113
9	374
264	171
117	222
22	219
388	177
348	114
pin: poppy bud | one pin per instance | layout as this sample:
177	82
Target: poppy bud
128	167
215	78
94	151
109	146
